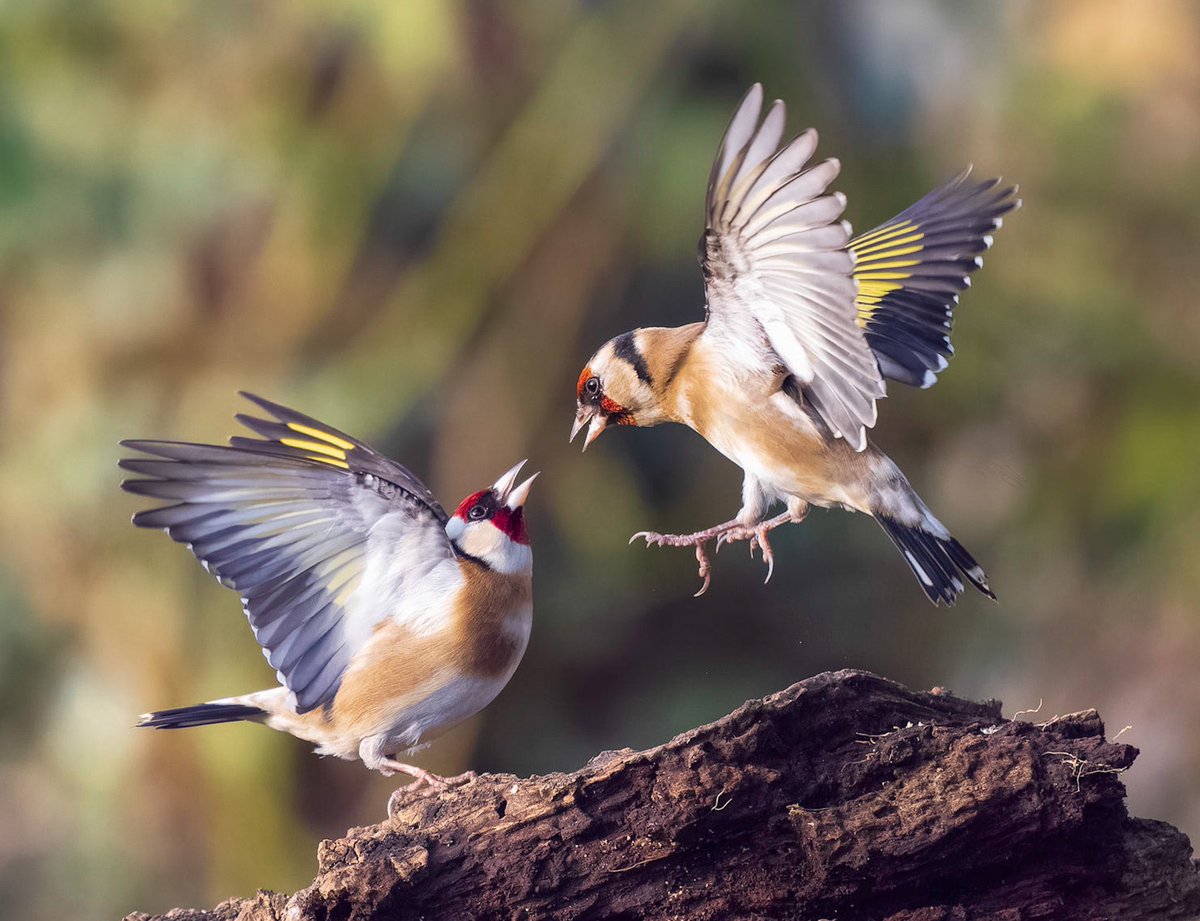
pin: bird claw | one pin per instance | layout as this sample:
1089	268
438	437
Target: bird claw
423	778
757	539
697	540
654	539
705	570
720	534
768	554
423	782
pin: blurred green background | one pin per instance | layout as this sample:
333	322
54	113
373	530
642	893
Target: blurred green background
416	220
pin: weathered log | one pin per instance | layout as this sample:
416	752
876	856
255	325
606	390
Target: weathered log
846	796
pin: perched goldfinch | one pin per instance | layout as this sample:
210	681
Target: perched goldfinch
386	621
803	326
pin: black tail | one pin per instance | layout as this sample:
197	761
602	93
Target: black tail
936	561
199	715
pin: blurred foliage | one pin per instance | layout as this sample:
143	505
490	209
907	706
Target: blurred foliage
416	220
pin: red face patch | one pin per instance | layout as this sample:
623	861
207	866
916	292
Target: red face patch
464	507
616	413
583	379
512	522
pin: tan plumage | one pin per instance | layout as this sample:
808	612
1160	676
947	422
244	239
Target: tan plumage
803	326
387	621
473	656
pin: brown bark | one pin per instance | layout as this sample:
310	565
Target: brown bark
846	796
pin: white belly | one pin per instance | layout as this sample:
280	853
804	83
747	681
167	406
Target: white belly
458	700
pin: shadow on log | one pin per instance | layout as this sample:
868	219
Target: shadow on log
846	796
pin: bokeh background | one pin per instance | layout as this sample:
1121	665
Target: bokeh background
416	220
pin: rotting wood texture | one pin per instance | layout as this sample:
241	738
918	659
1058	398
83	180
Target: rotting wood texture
846	796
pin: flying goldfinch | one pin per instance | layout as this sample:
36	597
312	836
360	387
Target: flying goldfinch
803	325
386	621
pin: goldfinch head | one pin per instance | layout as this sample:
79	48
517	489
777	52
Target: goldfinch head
615	388
489	525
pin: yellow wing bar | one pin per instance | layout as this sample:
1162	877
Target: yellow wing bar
324	446
911	269
879	263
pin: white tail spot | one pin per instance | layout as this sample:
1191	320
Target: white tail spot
912	561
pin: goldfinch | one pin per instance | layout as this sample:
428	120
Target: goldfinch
803	326
386	621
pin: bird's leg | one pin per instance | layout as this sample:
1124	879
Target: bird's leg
757	534
421	777
697	540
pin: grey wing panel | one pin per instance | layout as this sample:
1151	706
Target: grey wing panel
290	534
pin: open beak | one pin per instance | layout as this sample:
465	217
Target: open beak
503	487
598	422
517	497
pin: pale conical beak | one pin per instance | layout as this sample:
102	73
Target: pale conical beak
598	423
581	419
504	486
517	497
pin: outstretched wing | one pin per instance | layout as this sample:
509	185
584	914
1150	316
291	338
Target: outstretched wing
291	521
911	269
778	277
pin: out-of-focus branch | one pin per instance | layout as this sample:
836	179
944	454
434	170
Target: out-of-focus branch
844	796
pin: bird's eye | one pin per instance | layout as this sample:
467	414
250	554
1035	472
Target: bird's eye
592	386
477	513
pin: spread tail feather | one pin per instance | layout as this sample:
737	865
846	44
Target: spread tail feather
936	561
199	715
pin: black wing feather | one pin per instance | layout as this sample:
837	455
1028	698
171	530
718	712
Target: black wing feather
911	269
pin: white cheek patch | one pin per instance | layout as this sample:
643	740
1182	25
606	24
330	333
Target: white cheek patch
486	542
